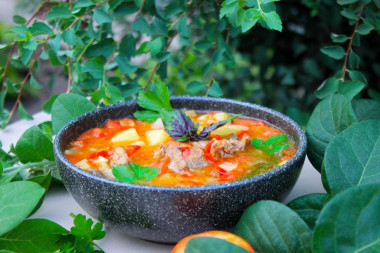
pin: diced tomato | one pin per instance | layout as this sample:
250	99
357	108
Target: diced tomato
217	137
207	150
162	165
113	124
185	151
78	144
209	157
97	154
248	122
97	132
130	150
241	134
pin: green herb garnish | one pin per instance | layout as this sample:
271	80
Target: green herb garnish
177	124
272	145
133	172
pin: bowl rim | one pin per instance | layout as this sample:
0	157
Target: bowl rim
300	154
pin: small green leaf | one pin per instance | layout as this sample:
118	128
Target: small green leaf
335	52
60	11
215	89
348	14
102	17
21	30
66	108
55	43
354	60
338	38
69	37
327	88
83	3
350	88
352	158
19	20
22	113
366	109
203	44
156	45
104	48
272	227
350	222
250	18
53	58
273	21
182	27
195	86
34	235
309	206
31	44
95	67
147	116
17	200
132	172
357	76
39	28
343	2
228	9
85	230
124	65
213	245
331	116
173	8
128	46
365	29
26	54
141	25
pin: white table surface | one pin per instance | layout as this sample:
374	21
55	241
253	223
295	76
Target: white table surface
59	204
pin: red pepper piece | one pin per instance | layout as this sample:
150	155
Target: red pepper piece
185	151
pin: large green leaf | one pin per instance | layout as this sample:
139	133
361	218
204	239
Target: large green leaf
270	226
17	200
352	158
35	235
66	108
34	146
366	109
350	222
331	116
213	245
309	206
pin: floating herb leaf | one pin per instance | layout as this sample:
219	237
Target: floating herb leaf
132	172
272	145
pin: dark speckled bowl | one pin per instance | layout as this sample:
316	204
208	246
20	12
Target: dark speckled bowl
167	214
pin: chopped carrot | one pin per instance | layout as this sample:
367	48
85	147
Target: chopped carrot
130	150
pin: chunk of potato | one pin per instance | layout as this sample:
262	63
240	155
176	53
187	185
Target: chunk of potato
219	116
126	137
227	130
83	164
156	137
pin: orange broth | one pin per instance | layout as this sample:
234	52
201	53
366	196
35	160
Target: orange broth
92	150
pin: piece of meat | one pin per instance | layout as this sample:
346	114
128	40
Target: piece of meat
196	158
200	144
228	147
119	157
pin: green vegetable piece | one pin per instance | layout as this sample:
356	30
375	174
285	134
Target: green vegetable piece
17	200
331	116
147	116
270	226
350	222
132	172
309	206
272	145
67	107
34	235
213	245
352	158
34	146
276	139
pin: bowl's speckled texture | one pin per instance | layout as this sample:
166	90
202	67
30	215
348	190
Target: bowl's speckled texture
167	214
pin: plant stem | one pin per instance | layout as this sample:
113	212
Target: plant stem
29	165
37	56
350	43
84	50
84	15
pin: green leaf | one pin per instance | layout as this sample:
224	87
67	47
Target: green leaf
85	230
354	60
182	27
357	76
352	158
31	44
327	88
173	8
203	44
162	56
330	117
124	65
272	145
19	20
34	83
66	108
147	116
132	172
309	206
141	25
83	3
17	200
128	46
39	28
53	58
55	43
272	227
215	89
338	38
350	88
34	146
250	18
102	17
343	2
21	30
365	29
366	109
156	45
155	99
60	11
213	245
350	222
34	235
104	48
44	181
95	67
22	113
335	52
26	54
195	86
348	14
273	21
228	9
69	37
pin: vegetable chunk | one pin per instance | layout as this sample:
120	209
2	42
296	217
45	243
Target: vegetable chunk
127	136
156	137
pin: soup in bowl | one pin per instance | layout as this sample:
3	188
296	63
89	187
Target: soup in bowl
134	177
